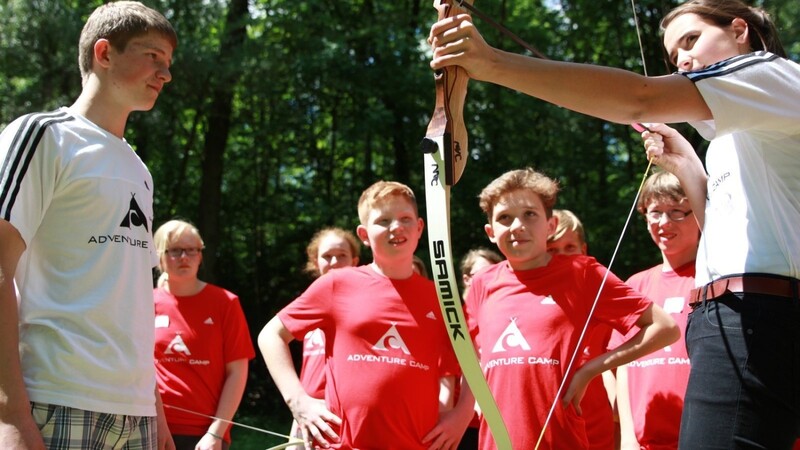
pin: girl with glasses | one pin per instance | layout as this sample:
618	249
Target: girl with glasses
202	343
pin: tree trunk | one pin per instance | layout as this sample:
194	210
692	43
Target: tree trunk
219	119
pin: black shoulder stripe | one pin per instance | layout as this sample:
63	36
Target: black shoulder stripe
731	65
19	155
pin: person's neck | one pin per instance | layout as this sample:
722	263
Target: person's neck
394	271
672	262
530	264
90	104
184	287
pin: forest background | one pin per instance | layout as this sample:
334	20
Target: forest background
281	112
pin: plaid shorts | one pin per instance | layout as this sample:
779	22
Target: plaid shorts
66	428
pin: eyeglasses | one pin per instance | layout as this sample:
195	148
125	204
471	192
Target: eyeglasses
179	252
675	215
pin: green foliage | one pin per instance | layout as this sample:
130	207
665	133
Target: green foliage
38	56
328	96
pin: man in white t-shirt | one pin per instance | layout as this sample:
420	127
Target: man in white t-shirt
76	251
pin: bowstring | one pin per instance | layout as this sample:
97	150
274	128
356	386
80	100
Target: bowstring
613	255
508	33
594	305
528	47
639	37
239	424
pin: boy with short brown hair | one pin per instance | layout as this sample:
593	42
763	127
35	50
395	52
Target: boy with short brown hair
386	346
76	215
528	312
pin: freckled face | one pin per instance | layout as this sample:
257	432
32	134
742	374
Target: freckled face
392	230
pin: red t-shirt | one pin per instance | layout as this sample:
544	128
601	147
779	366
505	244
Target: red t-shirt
386	348
527	324
597	412
657	382
195	337
312	373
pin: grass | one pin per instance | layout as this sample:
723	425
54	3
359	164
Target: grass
246	439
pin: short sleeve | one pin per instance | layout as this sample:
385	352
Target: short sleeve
311	309
238	343
755	92
28	174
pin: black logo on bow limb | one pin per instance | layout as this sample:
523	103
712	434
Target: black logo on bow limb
457	156
435	174
135	217
446	291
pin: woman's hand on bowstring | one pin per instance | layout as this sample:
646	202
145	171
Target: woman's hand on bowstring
668	149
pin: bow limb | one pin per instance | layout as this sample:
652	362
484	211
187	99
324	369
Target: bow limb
437	200
292	441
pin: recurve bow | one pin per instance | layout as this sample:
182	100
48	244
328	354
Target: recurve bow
446	152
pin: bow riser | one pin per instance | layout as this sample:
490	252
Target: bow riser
448	118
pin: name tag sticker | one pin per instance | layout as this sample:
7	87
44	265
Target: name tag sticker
162	321
673	305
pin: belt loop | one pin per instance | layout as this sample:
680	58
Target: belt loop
704	294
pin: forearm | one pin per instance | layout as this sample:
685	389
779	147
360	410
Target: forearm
465	404
311	414
13	396
626	429
694	182
230	397
656	331
165	441
608	93
273	343
447	392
